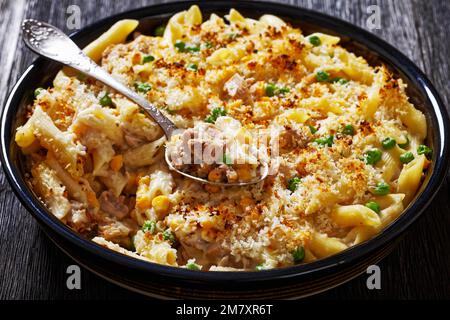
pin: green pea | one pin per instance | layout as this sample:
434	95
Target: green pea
168	235
106	100
194	49
260	267
407	157
339	80
348	130
343	81
180	45
423	149
192	67
283	90
372	156
325	141
322	76
312	129
148	58
298	254
142	87
293	183
215	113
270	89
372	205
382	189
159	31
388	143
315	41
193	266
149	226
37	92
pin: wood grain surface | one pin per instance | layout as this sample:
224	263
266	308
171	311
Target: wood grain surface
31	267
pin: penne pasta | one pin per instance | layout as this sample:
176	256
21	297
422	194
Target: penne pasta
116	34
323	246
355	215
410	177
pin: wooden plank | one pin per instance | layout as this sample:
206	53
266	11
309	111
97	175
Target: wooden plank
9	34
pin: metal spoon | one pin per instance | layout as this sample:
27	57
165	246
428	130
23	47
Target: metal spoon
50	42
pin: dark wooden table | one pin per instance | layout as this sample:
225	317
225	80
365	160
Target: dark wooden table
31	267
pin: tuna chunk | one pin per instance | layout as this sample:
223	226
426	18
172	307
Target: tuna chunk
113	205
237	86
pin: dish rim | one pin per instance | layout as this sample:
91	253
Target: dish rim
435	108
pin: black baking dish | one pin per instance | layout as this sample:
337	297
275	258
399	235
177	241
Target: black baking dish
163	281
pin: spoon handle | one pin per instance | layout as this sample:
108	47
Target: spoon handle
50	42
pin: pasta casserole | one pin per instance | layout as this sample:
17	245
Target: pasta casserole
350	155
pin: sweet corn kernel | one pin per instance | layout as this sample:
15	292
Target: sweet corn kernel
143	180
25	136
260	88
244	174
171	257
161	204
246	58
214	175
92	199
297	116
143	202
116	162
